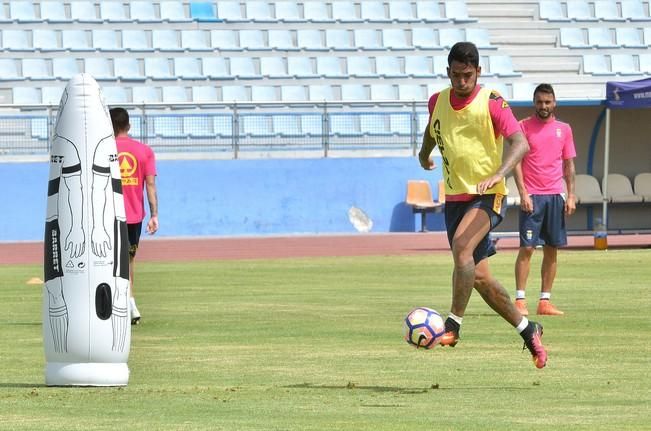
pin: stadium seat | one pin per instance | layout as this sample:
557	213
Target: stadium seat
367	39
645	63
235	93
344	124
502	88
372	124
188	68
259	11
417	66
293	93
339	40
300	67
419	198
329	67
45	40
647	36
173	11
395	39
480	37
316	11
256	125
135	41
345	11
633	10
195	40
128	69
450	36
16	40
523	91
99	68
601	37
383	92
223	125
354	92
624	64
83	11
312	124
620	189
429	11
321	92
105	40
587	190
229	11
198	126
165	40
401	11
216	68
39	128
113	11
388	67
573	37
203	11
175	94
9	70
360	67
244	68
513	198
425	38
629	37
145	94
411	93
642	185
143	11
596	64
204	94
552	11
281	40
287	11
168	126
607	10
264	93
36	69
224	40
22	12
310	39
579	10
286	125
26	96
51	95
64	68
501	65
457	11
253	40
116	95
441	66
53	12
373	11
76	40
158	68
273	67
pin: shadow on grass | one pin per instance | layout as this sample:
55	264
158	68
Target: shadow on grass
22	385
402	390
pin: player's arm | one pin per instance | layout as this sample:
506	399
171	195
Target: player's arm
152	198
513	154
525	200
424	155
569	174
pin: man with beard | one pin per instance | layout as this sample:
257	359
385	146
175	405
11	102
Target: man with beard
544	204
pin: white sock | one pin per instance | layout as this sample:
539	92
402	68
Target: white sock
519	294
456	318
545	295
522	325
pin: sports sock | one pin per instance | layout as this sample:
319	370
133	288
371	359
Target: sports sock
453	323
519	294
545	295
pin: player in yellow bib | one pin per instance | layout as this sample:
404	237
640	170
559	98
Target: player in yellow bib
469	125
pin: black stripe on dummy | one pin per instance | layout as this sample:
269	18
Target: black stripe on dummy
105	170
52	267
53	186
117	185
71	169
121	250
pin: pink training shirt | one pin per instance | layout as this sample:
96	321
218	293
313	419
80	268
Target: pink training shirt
137	161
550	143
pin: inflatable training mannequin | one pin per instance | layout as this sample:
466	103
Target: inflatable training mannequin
86	326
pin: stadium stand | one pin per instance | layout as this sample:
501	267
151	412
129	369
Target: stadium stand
619	189
642	185
587	189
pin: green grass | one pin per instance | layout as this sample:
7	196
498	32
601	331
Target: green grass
316	344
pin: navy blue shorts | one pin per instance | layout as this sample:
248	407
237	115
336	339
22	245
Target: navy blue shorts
134	230
492	204
546	224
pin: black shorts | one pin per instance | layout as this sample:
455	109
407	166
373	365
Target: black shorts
134	230
546	224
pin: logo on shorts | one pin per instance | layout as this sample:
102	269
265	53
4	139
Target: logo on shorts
529	234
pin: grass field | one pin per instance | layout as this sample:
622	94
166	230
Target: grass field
316	344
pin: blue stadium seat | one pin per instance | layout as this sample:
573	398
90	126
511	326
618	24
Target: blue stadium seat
395	39
36	69
502	65
223	125
293	93
51	95
116	95
264	93
16	40
344	124
361	67
372	124
629	37
230	11
188	68
195	40
22	11
256	125
411	92
450	36
345	11
198	126
64	68
354	92
99	68
203	11
166	40
367	39
300	67
457	11
135	41
339	40
373	11
573	37
607	10
128	69
633	10
235	93
401	11
645	63
259	11
168	126
601	37
158	68
145	94
113	12
204	94
596	64
45	40
253	40
76	40
383	92
316	11
425	38
523	90
480	37
26	96
273	67
441	66
83	11
38	128
312	124
9	70
281	40
329	67
417	66
224	40
321	92
552	11
175	94
647	36
310	39
624	64
287	11
388	67
216	68
173	11
286	125
105	40
143	11
244	68
429	11
53	12
579	10
400	124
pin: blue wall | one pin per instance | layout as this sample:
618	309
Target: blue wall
247	197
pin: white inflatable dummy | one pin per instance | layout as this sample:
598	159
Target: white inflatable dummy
86	325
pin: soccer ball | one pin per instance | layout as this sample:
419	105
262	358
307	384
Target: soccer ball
423	327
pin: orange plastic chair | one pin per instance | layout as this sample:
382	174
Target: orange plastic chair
419	197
